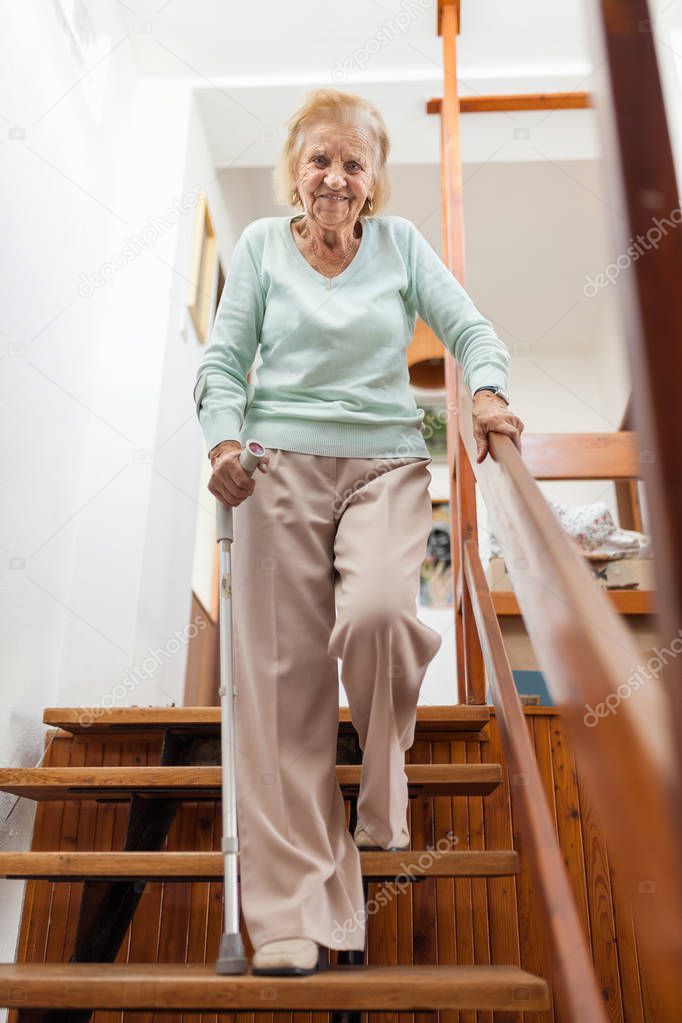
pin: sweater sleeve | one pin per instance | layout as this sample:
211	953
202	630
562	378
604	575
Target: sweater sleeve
435	294
221	390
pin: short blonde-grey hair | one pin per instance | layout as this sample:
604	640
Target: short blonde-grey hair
347	108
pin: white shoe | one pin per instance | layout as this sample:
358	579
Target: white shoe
363	840
287	956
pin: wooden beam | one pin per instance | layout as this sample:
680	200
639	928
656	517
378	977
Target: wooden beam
456	6
627	491
629	506
466	515
470	674
516	101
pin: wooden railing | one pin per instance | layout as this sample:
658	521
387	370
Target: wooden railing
584	456
574	978
627	744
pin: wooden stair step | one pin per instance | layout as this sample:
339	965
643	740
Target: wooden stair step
171	987
202	866
192	783
449	717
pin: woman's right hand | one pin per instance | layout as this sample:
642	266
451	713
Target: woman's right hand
229	482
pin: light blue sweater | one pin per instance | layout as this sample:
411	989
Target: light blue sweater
333	378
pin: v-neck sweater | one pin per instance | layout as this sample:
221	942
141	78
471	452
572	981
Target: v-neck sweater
333	377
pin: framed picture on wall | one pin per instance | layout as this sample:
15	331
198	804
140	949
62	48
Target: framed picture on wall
220	284
201	270
436	587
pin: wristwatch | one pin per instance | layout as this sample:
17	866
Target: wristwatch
495	389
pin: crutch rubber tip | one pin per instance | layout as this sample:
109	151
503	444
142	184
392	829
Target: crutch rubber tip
231	956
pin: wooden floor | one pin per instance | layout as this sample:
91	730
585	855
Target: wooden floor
496	919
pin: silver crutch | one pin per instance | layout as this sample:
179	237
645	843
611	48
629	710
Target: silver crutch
231	957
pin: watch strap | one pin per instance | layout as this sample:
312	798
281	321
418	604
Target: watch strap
495	390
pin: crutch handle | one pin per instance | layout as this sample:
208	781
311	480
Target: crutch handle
252	453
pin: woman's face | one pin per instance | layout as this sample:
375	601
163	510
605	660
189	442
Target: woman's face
335	173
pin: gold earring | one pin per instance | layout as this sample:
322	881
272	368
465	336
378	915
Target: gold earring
370	205
295	197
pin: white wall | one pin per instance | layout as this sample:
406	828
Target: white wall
64	440
233	204
101	446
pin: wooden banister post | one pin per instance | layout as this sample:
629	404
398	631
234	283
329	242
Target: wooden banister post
470	669
627	491
466	511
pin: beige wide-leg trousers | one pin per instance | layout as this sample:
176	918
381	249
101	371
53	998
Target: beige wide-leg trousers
325	565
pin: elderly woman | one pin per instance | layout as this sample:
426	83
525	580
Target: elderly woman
329	544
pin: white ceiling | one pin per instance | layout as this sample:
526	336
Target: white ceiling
253	63
221	37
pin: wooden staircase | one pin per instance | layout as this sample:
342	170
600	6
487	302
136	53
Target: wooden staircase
116	797
129	801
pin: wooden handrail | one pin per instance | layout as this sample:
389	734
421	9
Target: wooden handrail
642	183
582	456
577	988
618	725
642	179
